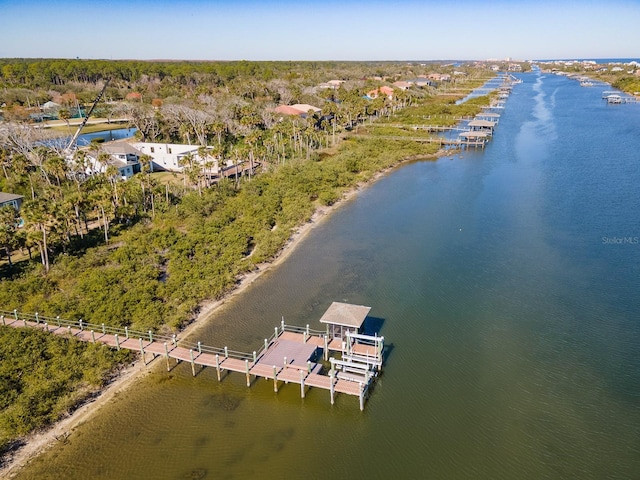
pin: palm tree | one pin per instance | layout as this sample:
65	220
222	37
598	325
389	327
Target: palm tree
205	155
192	170
57	167
64	114
8	222
37	218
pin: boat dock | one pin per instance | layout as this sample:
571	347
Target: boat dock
616	97
340	359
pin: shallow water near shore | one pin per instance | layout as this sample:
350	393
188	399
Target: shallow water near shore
507	285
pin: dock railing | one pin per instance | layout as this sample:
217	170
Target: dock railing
7	316
14	315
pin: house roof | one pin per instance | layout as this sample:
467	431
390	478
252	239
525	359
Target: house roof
287	110
120	148
345	314
385	90
8	197
305	107
420	81
297	109
116	162
401	84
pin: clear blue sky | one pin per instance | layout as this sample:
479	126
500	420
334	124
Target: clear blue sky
319	30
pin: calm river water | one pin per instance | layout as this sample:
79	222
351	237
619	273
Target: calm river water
507	285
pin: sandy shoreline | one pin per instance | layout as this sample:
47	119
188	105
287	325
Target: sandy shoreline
38	443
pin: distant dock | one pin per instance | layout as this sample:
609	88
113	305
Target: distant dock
616	98
340	359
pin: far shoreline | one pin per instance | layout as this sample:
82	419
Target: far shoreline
39	442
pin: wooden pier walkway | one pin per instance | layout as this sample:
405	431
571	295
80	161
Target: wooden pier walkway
291	355
478	141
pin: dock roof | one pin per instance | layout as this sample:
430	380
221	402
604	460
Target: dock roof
345	314
474	134
482	123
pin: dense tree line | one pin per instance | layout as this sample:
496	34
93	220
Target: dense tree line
629	84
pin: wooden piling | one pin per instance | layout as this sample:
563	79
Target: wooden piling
144	360
93	336
275	379
193	365
361	397
302	383
326	347
218	366
117	342
331	386
166	354
246	366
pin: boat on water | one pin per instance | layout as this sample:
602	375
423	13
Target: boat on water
586	83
